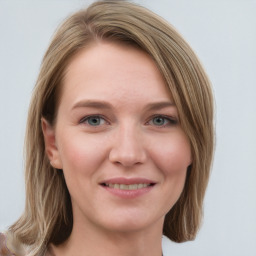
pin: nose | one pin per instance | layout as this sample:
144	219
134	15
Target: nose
128	148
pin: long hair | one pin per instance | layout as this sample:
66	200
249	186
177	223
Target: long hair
47	217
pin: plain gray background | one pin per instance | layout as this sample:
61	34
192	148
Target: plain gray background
223	34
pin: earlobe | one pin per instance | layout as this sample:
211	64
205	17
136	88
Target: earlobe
51	148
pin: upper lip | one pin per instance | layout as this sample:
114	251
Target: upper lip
128	181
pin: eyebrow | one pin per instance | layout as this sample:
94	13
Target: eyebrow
92	104
160	105
106	105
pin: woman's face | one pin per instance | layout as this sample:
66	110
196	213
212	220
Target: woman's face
118	140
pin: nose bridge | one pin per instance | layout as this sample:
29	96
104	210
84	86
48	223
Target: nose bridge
128	148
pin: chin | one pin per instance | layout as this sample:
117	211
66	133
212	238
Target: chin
132	223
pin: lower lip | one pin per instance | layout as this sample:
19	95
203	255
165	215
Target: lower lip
129	194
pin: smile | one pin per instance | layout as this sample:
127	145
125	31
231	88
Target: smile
126	186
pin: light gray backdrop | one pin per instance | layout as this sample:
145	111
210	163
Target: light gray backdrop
223	34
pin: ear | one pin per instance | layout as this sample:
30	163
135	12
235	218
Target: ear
51	148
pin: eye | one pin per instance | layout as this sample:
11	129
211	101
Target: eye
162	121
93	120
159	121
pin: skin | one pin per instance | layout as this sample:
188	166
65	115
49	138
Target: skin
135	133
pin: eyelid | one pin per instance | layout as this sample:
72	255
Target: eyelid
85	118
171	119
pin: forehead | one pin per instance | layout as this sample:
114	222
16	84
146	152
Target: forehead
107	69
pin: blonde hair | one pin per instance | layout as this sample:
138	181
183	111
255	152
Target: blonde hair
48	213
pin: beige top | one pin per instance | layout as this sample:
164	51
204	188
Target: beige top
4	251
11	249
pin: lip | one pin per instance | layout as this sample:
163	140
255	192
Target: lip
123	193
128	181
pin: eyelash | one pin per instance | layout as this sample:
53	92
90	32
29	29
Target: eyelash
169	121
86	118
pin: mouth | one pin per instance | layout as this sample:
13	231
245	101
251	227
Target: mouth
128	186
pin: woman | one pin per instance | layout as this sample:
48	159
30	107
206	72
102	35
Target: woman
119	139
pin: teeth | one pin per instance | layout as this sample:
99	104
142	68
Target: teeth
122	186
140	185
127	187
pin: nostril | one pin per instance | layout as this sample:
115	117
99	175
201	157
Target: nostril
127	153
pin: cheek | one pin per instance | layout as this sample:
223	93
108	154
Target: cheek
81	157
173	156
81	154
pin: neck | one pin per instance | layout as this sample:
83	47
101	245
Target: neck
86	241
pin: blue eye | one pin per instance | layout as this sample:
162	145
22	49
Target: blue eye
162	121
159	121
93	120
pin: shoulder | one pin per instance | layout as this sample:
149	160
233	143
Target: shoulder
10	246
4	250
